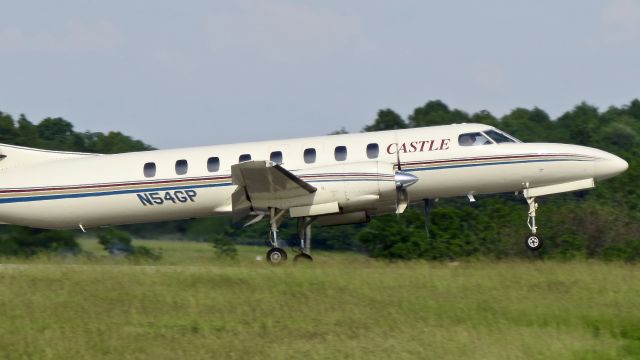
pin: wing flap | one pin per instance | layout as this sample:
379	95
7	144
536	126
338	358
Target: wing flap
262	184
264	179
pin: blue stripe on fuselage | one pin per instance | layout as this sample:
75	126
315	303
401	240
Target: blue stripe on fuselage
104	193
186	187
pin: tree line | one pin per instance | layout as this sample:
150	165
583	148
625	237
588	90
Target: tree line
599	223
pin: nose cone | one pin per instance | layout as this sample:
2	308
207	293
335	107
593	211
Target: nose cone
610	167
404	179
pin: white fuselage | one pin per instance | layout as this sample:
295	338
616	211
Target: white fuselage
60	191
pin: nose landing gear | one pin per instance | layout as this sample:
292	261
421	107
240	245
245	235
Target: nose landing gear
533	242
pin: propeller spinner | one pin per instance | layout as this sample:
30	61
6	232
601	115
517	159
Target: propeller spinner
403	181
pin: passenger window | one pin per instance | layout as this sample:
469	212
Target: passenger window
340	153
276	157
213	164
473	139
309	155
373	151
244	157
182	167
149	169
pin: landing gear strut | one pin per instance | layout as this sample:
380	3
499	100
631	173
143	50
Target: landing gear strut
533	242
275	255
304	234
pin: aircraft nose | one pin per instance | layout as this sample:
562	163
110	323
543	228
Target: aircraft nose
618	165
611	166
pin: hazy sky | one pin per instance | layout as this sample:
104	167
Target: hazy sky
204	72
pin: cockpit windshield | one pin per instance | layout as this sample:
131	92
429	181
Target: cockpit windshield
498	137
486	137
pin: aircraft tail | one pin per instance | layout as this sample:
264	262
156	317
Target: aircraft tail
14	156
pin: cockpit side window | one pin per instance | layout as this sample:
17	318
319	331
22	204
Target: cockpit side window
473	139
498	137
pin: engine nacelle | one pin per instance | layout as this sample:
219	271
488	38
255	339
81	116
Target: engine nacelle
356	186
358	217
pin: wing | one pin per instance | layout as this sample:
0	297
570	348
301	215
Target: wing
261	183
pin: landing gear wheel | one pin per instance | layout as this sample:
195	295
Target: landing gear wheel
533	242
302	258
276	256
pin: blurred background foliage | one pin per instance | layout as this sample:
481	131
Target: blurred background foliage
601	223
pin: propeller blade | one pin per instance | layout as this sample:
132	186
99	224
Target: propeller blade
398	163
403	181
402	200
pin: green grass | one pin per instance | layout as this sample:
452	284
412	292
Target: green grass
192	306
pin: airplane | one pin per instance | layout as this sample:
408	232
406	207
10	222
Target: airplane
328	180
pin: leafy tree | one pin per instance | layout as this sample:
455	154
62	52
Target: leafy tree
7	128
339	237
224	246
387	119
117	242
27	133
634	109
340	131
21	241
394	237
528	125
484	117
202	229
56	132
580	124
619	135
436	112
113	143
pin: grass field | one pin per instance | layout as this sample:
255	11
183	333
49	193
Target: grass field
192	306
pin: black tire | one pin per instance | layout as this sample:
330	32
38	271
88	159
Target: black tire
302	258
533	242
276	256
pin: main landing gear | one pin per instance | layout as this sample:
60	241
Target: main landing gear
304	234
533	242
276	255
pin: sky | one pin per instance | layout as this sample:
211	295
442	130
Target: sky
177	74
